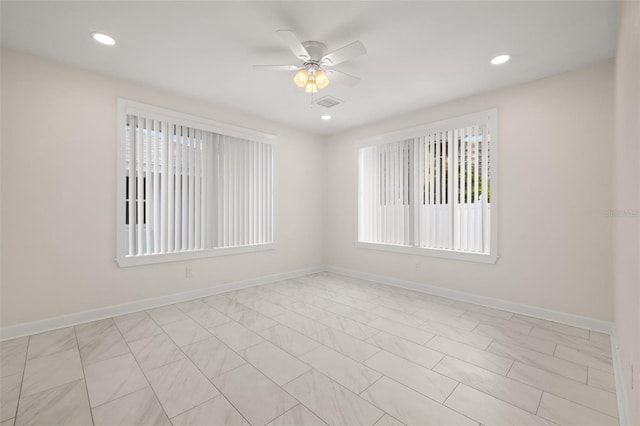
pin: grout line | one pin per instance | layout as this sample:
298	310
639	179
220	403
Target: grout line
24	369
539	402
84	376
138	363
210	380
453	390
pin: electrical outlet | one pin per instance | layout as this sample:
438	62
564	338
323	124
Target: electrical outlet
418	265
188	272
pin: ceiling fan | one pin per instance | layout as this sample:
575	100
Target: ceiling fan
315	70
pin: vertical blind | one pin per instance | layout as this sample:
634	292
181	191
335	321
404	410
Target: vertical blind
430	191
189	189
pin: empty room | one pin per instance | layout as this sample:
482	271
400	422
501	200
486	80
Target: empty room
320	213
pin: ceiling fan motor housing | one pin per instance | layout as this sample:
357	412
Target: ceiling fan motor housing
316	51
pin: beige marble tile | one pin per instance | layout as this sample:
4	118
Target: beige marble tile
578	356
300	323
350	374
88	331
588	346
236	336
387	420
401	330
507	336
185	332
166	314
50	371
345	344
273	362
488	410
213	357
51	342
66	404
483	310
267	308
563	412
474	356
13	354
279	299
398	316
554	326
350	312
253	320
308	310
354	303
601	379
437	315
191	305
113	378
411	407
298	416
503	388
459	335
9	393
209	317
8	422
333	403
260	402
180	386
100	340
289	340
518	326
155	351
399	303
595	398
427	382
138	408
406	349
223	304
349	326
136	326
536	359
601	338
214	412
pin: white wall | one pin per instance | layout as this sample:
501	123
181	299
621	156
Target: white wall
627	201
555	242
59	192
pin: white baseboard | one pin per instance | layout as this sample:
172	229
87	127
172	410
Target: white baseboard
40	326
518	308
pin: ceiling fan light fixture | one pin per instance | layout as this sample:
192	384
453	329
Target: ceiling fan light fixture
311	87
301	78
322	80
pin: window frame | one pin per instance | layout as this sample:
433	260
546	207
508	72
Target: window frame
125	107
490	117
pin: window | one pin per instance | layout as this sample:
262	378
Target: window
190	187
430	190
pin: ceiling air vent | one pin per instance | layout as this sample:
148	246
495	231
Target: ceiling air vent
328	101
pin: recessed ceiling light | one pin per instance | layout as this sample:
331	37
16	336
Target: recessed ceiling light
500	59
103	38
326	117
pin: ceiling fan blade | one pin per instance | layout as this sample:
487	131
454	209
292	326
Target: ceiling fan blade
276	67
345	53
293	44
343	78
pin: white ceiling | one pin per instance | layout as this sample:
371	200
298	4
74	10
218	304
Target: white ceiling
419	53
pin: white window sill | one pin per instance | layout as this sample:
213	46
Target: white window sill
148	259
439	253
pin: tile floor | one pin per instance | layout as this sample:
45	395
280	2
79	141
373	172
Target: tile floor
321	349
